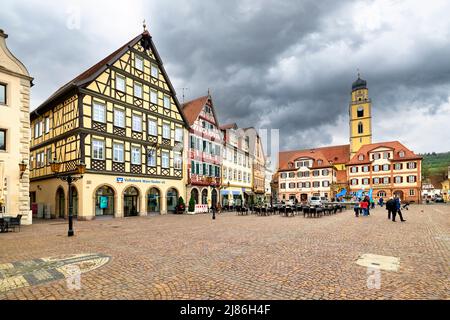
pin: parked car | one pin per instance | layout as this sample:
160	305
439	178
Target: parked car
315	201
324	200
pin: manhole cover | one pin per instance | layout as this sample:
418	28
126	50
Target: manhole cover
376	261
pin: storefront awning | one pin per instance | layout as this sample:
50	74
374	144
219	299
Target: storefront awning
224	192
250	193
236	193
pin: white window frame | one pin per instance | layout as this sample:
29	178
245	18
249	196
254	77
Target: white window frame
179	134
98	144
118	152
165	160
151	155
136	155
153	127
122	81
138	90
153	96
98	112
166	102
134	122
47	125
178	161
119	121
154	71
139	66
166	131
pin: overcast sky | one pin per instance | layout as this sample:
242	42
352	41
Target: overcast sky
285	65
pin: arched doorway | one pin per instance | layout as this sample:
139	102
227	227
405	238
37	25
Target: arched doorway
153	201
204	196
194	194
60	203
399	194
104	201
172	200
381	194
214	200
74	201
304	197
130	202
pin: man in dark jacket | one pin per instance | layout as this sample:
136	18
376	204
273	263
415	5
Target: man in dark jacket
390	207
398	209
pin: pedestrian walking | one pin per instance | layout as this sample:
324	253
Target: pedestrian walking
356	208
364	207
390	207
397	210
381	202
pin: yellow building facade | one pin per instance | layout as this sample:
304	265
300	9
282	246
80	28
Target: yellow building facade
122	119
15	84
360	115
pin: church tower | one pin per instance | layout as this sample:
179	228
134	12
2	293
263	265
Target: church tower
360	112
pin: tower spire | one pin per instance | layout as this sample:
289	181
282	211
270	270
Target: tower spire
144	25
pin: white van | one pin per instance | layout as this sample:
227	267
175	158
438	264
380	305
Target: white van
315	201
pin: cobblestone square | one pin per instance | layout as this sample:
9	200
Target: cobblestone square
238	257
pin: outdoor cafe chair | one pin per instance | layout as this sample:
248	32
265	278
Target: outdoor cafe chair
15	222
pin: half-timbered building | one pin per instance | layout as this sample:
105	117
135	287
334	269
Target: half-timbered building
205	149
121	117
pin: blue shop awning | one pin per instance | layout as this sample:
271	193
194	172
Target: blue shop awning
236	193
224	192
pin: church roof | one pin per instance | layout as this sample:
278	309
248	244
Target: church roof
359	84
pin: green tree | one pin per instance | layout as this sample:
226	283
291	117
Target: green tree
191	205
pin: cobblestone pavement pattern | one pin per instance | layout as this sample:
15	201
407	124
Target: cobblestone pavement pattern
241	257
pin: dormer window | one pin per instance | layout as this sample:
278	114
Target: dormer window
319	162
361	157
401	154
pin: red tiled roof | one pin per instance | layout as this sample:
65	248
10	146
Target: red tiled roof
396	146
228	126
192	109
329	155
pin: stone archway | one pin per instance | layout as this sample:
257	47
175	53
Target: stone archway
104	201
172	200
60	207
153	201
205	196
195	195
400	194
131	202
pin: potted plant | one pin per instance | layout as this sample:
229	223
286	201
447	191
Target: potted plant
181	207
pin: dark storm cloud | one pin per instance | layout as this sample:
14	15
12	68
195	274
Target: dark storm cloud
286	65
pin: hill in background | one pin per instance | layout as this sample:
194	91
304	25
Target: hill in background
435	164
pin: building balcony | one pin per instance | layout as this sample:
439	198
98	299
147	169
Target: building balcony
204	180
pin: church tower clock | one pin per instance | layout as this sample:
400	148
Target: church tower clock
360	112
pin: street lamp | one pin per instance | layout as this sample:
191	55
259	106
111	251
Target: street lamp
22	168
69	177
